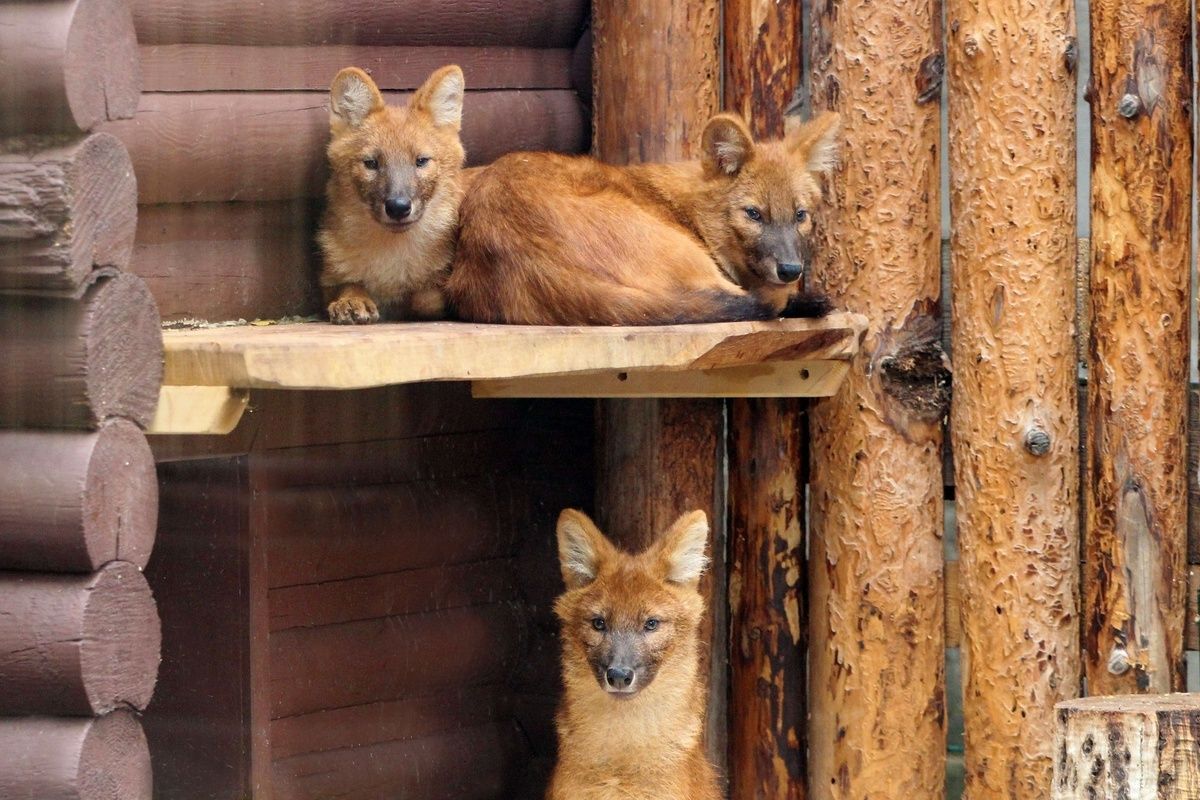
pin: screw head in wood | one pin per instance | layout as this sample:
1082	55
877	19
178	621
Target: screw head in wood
1118	661
1129	106
1037	442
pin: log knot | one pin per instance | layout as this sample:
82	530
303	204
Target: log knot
929	78
914	370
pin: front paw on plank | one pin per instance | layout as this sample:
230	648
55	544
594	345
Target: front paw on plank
353	311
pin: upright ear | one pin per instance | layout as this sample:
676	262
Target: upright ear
441	97
726	145
353	97
582	548
681	550
816	141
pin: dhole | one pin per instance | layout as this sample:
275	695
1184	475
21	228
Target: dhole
633	698
556	240
393	195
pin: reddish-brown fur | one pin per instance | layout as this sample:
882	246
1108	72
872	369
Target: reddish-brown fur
376	153
640	742
549	239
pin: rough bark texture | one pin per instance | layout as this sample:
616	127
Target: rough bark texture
56	758
656	79
768	621
72	502
1015	419
66	65
767	586
64	210
877	716
1128	748
1137	403
74	363
77	644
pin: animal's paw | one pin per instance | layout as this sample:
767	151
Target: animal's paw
808	305
353	311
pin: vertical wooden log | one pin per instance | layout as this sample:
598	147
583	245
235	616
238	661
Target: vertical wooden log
1135	546
656	78
876	655
767	623
767	601
1120	748
1014	418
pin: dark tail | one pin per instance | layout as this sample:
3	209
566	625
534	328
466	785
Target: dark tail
718	306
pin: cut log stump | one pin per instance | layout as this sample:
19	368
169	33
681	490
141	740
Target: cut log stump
77	644
65	210
73	501
66	65
68	363
51	758
1145	747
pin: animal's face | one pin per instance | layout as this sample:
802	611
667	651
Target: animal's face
627	618
394	158
771	192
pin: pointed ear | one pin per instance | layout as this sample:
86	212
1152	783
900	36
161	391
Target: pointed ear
441	97
726	145
681	549
353	97
816	141
582	548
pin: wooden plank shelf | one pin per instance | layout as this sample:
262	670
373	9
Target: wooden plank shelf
783	358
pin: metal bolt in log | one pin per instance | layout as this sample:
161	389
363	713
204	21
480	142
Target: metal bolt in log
1037	442
1129	106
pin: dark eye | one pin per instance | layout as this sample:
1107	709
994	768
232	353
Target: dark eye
754	214
371	163
801	215
422	161
651	624
598	624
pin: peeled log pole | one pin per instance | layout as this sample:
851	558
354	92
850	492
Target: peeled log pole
876	656
767	586
72	502
1015	419
68	363
656	76
767	623
64	211
77	644
66	65
1118	748
1135	566
56	758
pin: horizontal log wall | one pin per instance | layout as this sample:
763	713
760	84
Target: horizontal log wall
79	499
66	65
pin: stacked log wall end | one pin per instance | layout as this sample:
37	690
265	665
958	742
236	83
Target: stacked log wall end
480	23
73	501
1015	421
767	585
1111	748
65	758
1136	484
68	363
876	651
660	458
77	644
66	65
65	209
192	147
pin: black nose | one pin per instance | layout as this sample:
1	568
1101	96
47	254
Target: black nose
789	272
397	207
619	677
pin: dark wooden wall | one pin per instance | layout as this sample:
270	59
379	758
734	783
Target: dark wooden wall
228	142
359	602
